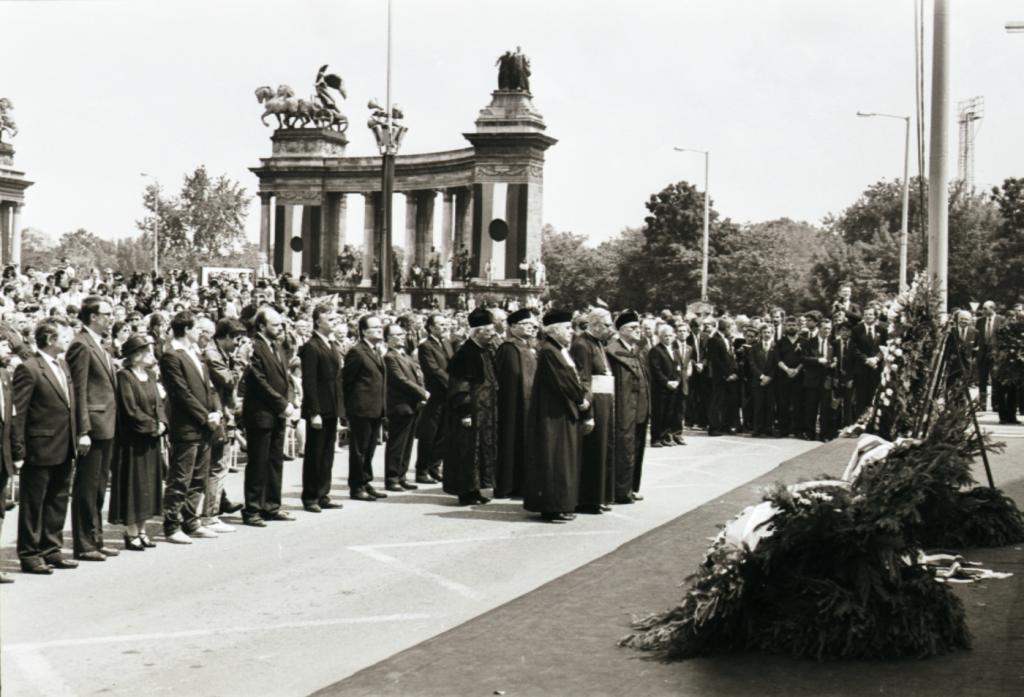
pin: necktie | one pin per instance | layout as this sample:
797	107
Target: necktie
871	333
61	378
1	401
821	348
988	330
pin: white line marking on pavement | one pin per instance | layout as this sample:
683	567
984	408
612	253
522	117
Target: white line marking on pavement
42	675
463	590
616	514
488	538
754	444
29	647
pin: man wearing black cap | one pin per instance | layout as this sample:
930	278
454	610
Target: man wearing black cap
596	471
632	406
471	439
516	363
558	409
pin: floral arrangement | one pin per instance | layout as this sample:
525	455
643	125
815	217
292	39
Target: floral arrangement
835	569
1009	358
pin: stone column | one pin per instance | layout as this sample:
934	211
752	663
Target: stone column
332	238
464	220
16	235
446	225
411	206
424	225
5	232
369	235
266	226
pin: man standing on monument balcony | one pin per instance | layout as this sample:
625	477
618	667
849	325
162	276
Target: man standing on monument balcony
92	372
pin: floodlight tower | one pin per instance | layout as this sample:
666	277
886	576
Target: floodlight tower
969	113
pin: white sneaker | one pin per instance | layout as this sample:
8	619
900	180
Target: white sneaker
203	533
219	526
179	538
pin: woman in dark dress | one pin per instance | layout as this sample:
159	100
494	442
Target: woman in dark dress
135	493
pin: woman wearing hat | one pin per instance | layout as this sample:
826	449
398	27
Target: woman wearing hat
135	493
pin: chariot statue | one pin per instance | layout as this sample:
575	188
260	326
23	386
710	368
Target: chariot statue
6	120
320	110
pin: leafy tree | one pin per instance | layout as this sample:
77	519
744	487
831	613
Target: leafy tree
573	271
973	242
206	221
1009	244
37	249
85	250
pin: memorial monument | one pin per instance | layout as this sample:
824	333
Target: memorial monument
12	190
490	195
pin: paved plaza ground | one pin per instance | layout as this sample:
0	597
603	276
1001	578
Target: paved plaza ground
294	607
388	597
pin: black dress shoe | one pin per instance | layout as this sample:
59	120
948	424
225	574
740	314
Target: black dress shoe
393	487
134	544
468	499
40	568
408	486
659	444
146	542
61	563
605	507
227	508
4	578
9	506
328	504
589	509
425	479
624	501
313	507
374	493
278	516
554	517
109	551
481	499
436	474
254	521
678	438
361	495
85	556
636	497
715	434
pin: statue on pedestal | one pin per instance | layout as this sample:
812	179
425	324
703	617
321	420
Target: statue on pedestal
6	120
514	71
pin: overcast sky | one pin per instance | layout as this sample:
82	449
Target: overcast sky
105	90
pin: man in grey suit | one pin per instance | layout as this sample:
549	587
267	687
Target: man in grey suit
406	396
92	372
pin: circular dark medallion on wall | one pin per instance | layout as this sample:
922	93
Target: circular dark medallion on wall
296	244
498	230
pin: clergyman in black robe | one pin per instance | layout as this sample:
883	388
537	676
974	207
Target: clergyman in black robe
471	412
516	363
557	410
596	467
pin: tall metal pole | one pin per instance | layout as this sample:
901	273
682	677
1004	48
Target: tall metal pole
938	195
385	272
707	218
156	233
707	214
905	220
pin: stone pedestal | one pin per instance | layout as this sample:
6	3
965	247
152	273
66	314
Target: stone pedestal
308	142
509	143
12	198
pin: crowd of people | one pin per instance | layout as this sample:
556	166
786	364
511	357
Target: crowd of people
143	385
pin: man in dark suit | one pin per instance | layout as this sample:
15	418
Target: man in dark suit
961	344
194	412
434	354
92	372
406	396
363	377
987	327
868	336
818	360
699	394
724	381
7	470
44	437
850	309
266	408
844	376
321	407
667	380
632	407
761	368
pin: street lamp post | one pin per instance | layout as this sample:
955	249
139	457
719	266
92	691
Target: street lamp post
707	209
389	134
904	225
156	224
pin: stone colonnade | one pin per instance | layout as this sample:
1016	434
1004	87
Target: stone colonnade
10	232
324	228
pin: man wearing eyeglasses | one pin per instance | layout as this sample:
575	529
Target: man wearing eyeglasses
93	375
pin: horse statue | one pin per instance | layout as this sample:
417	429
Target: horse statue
280	104
320	110
6	120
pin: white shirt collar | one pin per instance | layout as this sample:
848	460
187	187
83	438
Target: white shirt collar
94	335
